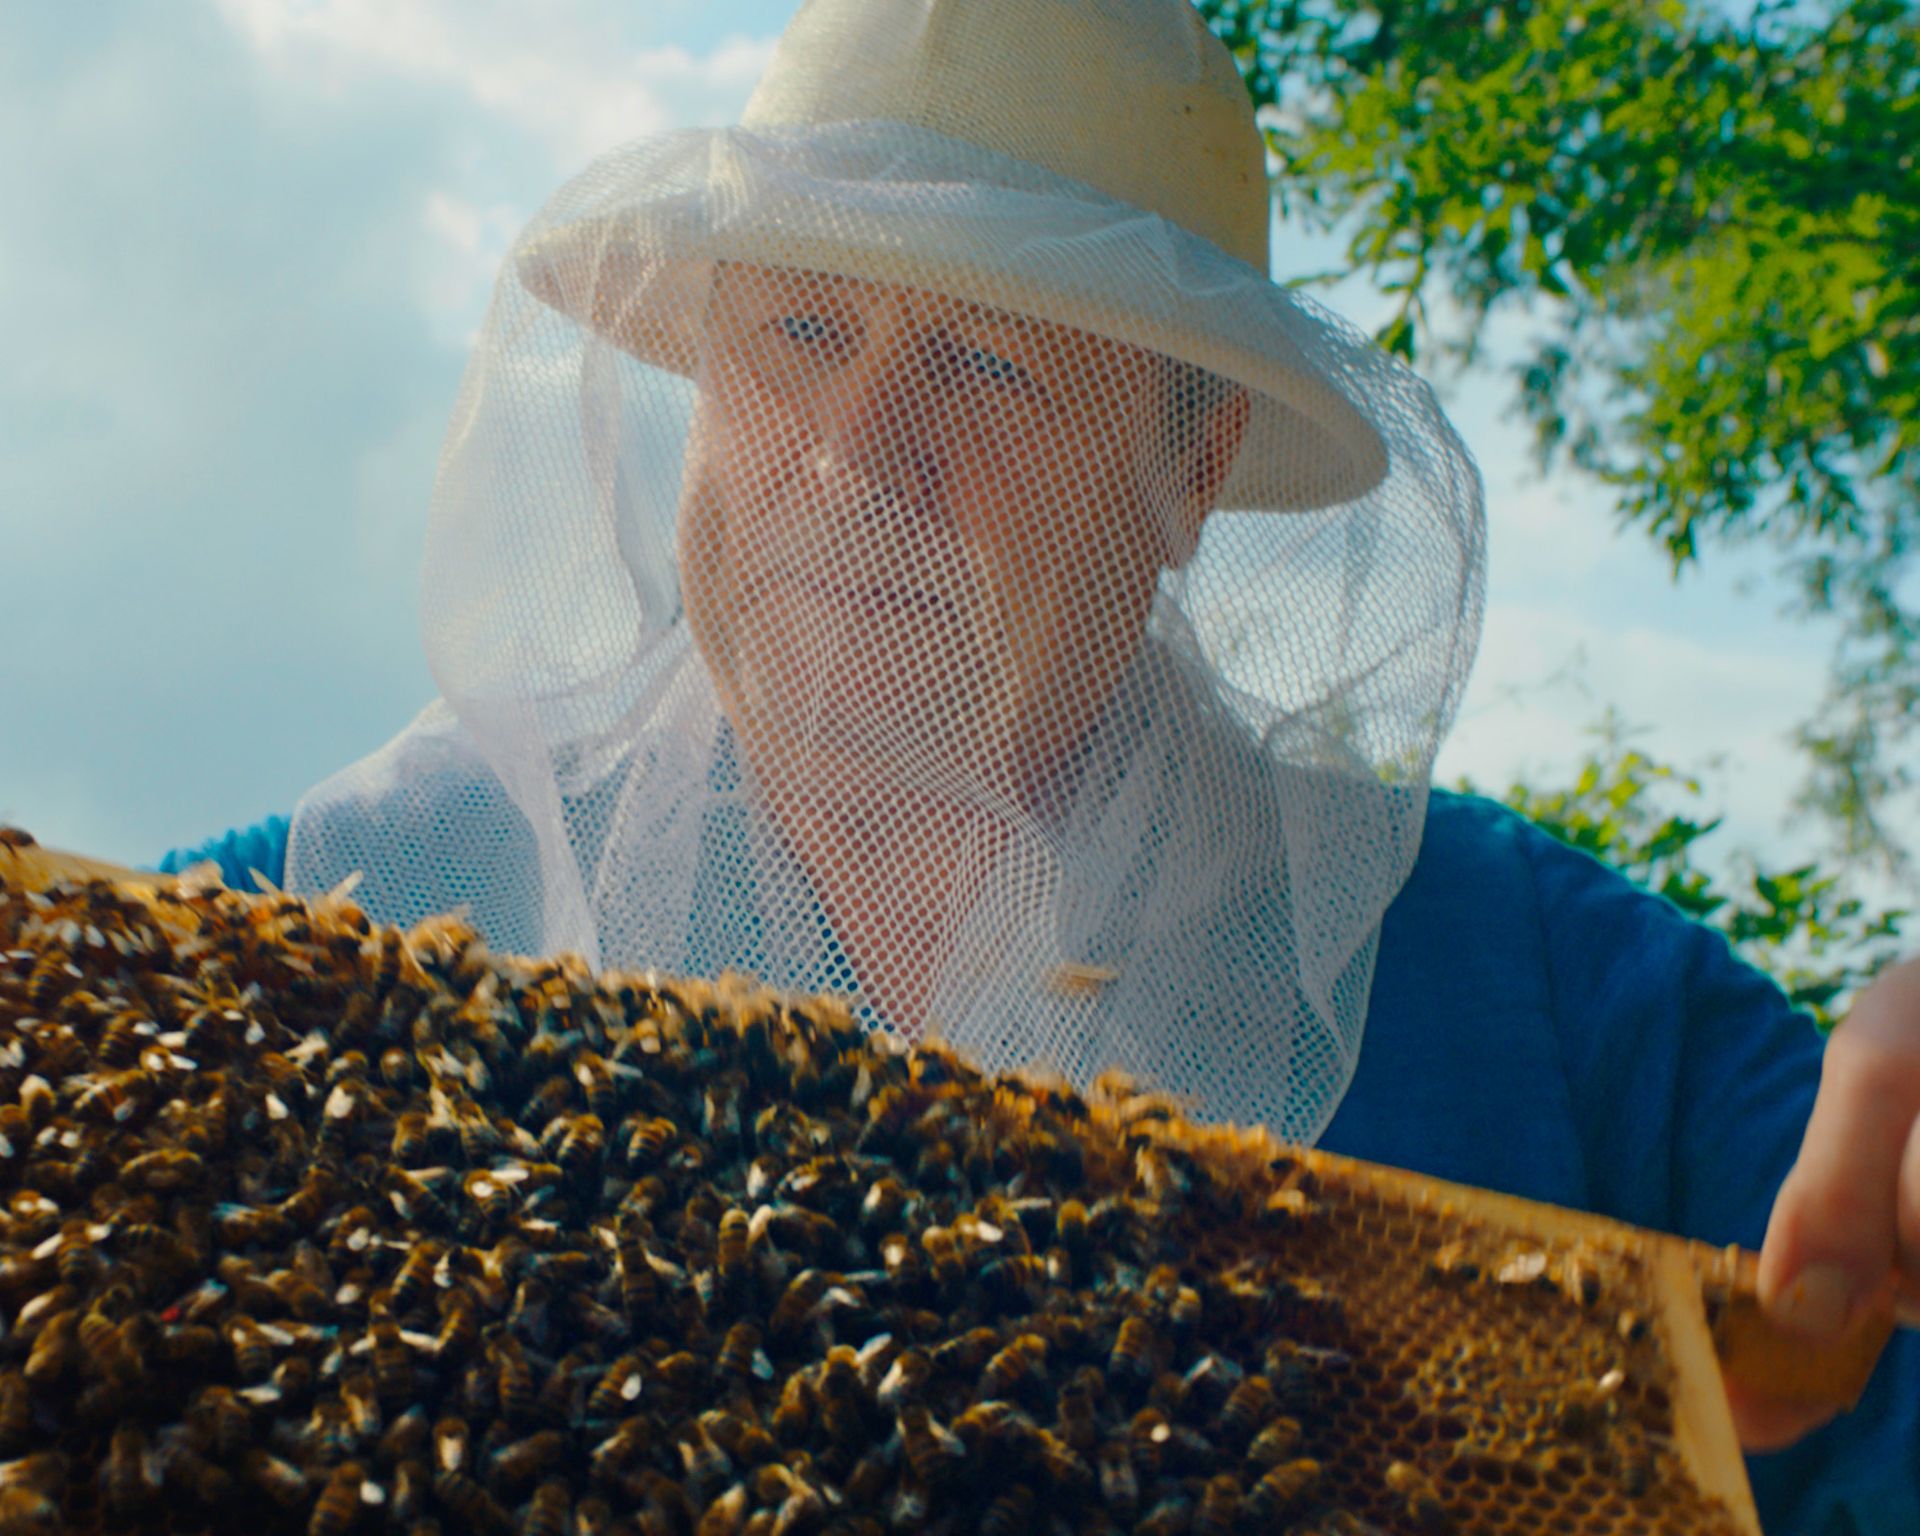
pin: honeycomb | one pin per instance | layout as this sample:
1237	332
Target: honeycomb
311	1225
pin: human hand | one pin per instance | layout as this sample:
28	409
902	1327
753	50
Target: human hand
1844	1237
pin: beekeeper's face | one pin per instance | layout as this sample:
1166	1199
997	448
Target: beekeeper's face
926	532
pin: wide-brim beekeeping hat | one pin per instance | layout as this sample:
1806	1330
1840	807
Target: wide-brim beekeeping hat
1115	128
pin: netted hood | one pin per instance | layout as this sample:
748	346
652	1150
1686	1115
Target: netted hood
872	562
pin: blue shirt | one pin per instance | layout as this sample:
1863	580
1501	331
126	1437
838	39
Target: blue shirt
1538	1024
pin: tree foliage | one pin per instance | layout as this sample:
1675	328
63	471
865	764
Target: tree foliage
1715	219
1643	817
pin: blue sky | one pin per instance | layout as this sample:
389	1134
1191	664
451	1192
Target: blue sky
247	243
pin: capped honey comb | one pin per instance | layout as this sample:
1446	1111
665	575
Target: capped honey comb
315	1226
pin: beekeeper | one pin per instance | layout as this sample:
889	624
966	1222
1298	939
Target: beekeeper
906	546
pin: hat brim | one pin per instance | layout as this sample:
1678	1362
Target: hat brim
640	276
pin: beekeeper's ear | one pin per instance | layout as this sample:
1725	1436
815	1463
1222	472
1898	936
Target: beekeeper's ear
1201	474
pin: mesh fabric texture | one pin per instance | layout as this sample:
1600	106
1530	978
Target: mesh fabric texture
858	559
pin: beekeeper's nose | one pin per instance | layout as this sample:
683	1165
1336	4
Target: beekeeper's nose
881	412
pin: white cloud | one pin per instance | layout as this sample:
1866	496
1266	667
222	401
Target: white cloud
567	80
456	268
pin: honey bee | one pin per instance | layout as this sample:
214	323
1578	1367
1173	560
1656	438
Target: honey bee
492	1197
1283	1492
649	1138
414	1200
470	1503
1248	1406
620	1449
459	1325
1275	1443
131	1476
579	1153
361	1400
303	1208
1132	1357
619	1390
405	1438
550	1511
55	1351
730	1254
1582	1408
1119	1482
796	1304
224	1418
593	1516
121	1041
278	1480
50	976
1417	1495
16	1411
935	1453
381	956
26	1509
1451	1261
1523	1267
1218	1511
410	1138
965	1353
407	1491
1148	1435
596	1081
252	1348
186	1467
563	1393
113	1098
595	1321
339	1500
415	1275
1009	1369
727	1514
905	1379
480	1140
739	1357
292	1380
1015	1282
524	1460
943	1257
706	1464
792	1417
1080	982
720	1108
451	1445
1171	1516
392	1362
1579	1279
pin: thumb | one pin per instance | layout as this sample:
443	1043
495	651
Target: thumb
1832	1238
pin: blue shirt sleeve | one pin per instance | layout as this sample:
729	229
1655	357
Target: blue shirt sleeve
262	846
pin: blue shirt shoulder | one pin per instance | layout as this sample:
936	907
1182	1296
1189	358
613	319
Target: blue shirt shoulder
262	847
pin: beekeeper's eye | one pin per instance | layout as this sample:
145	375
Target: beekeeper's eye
996	369
815	332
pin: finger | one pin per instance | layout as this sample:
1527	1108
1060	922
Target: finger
1770	1424
1833	1237
1907	1213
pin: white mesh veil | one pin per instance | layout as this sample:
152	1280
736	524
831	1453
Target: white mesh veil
873	562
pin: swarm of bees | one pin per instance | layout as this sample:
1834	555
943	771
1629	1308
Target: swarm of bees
308	1225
